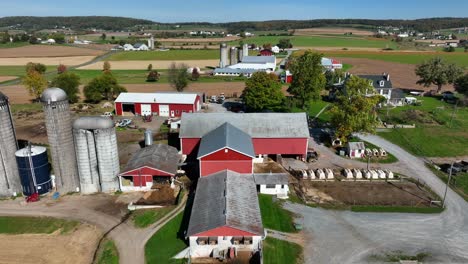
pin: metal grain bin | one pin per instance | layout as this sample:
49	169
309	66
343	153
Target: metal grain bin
34	170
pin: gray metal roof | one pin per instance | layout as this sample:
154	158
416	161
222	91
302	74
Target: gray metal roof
257	125
356	145
93	122
271	178
228	136
160	156
236	71
53	95
376	81
258	59
225	198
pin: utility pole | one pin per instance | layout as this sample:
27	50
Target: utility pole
446	186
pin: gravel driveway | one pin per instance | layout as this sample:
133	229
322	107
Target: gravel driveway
347	237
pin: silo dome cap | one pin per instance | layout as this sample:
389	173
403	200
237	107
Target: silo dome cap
53	95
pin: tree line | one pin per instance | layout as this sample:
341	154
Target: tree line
74	22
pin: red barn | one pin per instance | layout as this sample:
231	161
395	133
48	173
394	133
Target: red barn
271	133
226	148
266	52
156	163
162	104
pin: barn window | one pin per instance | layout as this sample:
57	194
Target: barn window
202	241
213	240
270	186
177	112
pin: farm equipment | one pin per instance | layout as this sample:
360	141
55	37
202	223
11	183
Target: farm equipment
32	198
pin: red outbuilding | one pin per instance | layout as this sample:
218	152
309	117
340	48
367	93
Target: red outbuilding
271	133
156	163
160	103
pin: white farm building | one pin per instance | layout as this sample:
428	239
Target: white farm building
248	66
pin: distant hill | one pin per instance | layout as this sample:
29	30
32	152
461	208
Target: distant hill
74	22
121	23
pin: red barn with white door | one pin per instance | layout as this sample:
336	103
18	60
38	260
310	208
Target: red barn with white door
160	103
271	133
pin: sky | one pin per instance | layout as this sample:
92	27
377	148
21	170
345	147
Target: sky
237	10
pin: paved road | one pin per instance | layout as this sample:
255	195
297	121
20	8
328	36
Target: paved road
347	237
130	241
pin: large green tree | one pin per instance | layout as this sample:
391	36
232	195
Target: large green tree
263	92
333	77
438	72
308	78
354	108
103	87
461	85
38	67
178	77
69	82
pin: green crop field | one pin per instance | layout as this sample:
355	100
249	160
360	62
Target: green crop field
460	58
13	45
12	70
440	128
166	55
316	41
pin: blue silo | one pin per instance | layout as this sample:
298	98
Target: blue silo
34	170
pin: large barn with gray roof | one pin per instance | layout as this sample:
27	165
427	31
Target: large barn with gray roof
269	133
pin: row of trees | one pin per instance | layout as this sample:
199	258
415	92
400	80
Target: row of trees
103	87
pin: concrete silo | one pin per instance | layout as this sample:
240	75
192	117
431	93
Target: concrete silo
245	50
233	55
9	178
97	154
223	61
240	54
59	132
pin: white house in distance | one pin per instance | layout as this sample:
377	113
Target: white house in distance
225	221
356	149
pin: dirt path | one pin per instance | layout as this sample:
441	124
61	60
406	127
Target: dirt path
298	238
75	247
7	78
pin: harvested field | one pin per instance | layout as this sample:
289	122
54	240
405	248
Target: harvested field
7	78
47	51
143	65
402	75
69	61
370	193
331	31
75	247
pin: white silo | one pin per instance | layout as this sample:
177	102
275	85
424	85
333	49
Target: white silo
223	61
86	160
101	155
59	133
245	50
233	55
9	178
240	54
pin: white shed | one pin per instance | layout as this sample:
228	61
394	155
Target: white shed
356	149
128	47
273	183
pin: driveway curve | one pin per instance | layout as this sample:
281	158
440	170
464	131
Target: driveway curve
348	237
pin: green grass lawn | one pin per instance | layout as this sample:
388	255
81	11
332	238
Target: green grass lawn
35	225
274	216
313	109
30	108
458	183
277	251
317	41
166	243
176	54
460	58
13	45
139	77
108	254
434	135
144	218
